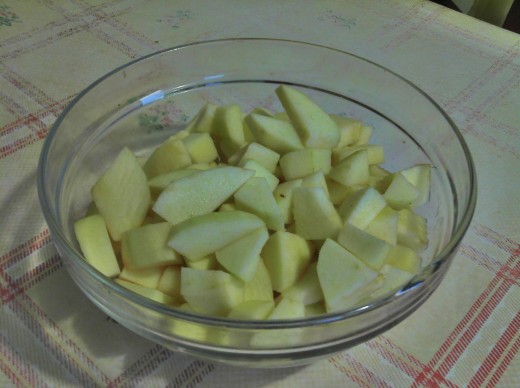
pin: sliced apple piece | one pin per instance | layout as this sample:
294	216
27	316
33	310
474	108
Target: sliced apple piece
349	129
260	286
261	172
367	248
252	310
218	228
170	155
400	193
256	197
343	277
170	282
277	135
316	179
228	130
207	262
375	153
241	257
384	225
299	164
121	211
314	126
288	309
160	182
360	207
150	293
199	193
200	147
307	289
203	120
353	170
404	258
146	247
94	241
257	152
148	277
419	176
315	216
211	292
412	230
283	195
286	256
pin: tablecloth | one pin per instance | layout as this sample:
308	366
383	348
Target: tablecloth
466	334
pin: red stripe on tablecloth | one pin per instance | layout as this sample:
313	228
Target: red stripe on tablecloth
469	326
26	87
500	357
192	375
142	367
504	243
405	361
25	249
17	145
10	374
17	369
364	377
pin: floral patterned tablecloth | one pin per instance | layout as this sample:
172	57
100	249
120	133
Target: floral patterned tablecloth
467	333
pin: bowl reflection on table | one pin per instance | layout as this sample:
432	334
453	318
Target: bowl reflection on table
144	102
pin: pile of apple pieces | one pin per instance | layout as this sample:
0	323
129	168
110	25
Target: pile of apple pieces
259	216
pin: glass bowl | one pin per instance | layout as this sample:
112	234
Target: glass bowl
144	102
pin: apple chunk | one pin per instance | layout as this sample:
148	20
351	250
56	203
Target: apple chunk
211	292
241	257
286	256
95	244
145	247
342	276
314	126
218	228
121	211
199	193
314	215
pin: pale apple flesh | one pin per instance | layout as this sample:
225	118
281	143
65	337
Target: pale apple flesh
259	216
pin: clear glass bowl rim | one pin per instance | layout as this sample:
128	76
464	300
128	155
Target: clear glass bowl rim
438	262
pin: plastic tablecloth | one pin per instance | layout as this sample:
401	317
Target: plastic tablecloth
466	334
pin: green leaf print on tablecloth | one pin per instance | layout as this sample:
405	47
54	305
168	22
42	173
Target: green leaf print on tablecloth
176	20
7	17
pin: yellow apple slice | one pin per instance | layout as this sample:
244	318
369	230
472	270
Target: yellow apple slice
256	197
367	248
218	228
353	170
360	207
240	258
150	293
307	289
200	147
147	277
228	130
286	256
121	210
315	217
314	126
199	193
252	310
170	155
260	286
283	195
349	129
94	241
211	292
146	247
343	277
277	135
203	120
299	164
